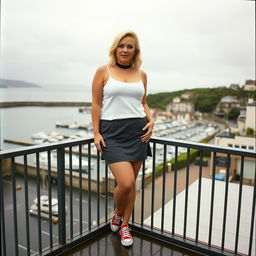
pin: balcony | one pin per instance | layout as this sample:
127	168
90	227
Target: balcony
178	211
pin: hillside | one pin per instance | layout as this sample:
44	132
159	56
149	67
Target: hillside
205	99
6	83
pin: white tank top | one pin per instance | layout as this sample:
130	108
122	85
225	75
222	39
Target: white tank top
122	99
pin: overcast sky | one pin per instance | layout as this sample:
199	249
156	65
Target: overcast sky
185	44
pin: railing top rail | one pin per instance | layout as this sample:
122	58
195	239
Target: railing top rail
205	146
171	142
42	147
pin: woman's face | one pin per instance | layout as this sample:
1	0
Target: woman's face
125	50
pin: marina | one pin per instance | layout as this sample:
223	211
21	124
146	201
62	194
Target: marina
45	131
179	130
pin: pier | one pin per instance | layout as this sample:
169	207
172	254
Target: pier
10	104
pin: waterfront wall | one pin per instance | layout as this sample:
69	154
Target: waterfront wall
6	166
75	177
10	104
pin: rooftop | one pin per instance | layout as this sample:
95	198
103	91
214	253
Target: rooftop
226	134
228	99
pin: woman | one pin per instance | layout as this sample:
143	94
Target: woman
122	123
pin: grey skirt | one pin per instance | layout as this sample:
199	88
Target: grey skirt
123	142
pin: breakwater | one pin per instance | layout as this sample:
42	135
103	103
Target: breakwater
9	104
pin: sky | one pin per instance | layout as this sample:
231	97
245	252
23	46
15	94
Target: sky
185	44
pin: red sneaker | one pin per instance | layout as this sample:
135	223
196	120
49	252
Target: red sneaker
126	236
115	222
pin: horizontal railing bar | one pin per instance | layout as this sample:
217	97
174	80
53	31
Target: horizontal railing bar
42	147
196	145
205	147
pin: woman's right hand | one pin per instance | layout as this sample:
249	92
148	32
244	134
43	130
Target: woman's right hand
98	141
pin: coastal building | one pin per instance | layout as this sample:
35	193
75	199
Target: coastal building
246	119
240	125
180	110
237	138
225	104
159	114
249	85
251	115
234	87
186	96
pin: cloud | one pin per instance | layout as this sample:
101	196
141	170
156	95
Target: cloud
185	44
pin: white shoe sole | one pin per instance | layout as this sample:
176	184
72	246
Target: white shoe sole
114	228
128	243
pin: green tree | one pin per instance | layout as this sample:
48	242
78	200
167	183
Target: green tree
206	103
250	131
234	113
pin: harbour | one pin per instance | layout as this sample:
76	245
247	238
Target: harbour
37	125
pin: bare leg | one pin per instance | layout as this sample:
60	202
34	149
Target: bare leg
130	203
124	175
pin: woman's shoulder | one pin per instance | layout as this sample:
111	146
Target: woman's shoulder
102	69
143	74
102	73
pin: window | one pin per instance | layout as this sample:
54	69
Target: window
230	145
236	146
251	147
243	146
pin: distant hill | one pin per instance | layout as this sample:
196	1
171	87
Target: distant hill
205	99
6	83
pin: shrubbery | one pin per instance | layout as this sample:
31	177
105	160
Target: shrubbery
182	158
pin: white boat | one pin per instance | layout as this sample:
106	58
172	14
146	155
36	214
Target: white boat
43	157
40	135
73	125
56	136
50	139
82	134
43	137
73	137
44	204
61	124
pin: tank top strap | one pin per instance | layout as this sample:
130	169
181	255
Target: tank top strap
108	71
140	74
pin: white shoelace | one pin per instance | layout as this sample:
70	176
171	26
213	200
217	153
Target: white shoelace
117	219
126	232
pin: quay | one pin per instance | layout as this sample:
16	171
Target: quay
32	143
21	142
10	104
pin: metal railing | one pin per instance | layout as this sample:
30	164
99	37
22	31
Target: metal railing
94	207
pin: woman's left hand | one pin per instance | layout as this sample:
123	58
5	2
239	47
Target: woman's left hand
149	127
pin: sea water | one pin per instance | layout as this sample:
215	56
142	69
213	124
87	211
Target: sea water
22	122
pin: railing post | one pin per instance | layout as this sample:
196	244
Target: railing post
61	195
2	214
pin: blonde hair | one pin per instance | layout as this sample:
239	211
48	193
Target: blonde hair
136	60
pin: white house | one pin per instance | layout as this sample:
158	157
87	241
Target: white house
249	85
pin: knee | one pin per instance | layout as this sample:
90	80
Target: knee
127	186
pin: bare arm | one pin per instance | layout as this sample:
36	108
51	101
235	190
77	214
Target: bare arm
149	126
97	88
